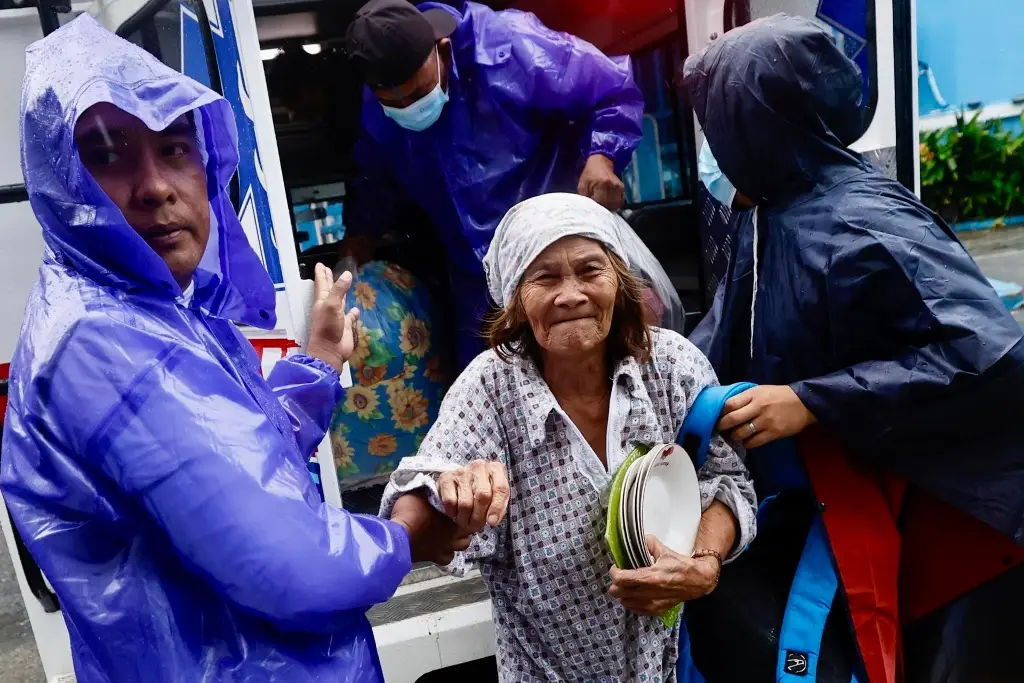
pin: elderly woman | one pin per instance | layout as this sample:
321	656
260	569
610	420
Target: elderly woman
573	380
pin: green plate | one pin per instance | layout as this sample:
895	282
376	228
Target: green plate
611	532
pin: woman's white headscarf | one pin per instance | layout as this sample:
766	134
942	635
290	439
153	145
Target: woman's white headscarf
532	226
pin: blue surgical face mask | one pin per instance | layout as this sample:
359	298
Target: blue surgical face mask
720	187
424	112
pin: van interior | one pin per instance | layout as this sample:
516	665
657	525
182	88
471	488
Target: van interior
316	97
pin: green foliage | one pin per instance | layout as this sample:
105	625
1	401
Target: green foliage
973	171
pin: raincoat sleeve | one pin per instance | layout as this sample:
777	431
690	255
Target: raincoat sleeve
308	389
170	429
450	446
572	78
724	476
374	200
924	300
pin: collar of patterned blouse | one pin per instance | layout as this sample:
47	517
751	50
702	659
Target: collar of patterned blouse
539	402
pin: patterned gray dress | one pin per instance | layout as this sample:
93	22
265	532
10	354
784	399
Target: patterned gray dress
546	566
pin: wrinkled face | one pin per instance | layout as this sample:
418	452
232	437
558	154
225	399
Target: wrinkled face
422	82
157	179
568	294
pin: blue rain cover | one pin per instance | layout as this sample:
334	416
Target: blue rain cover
158	481
527	106
867	304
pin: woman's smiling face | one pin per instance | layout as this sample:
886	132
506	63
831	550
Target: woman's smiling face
568	294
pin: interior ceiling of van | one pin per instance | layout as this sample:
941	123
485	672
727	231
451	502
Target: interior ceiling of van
615	26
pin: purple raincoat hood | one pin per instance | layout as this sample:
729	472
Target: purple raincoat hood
83	64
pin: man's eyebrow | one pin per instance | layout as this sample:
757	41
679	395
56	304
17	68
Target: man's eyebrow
178	129
97	137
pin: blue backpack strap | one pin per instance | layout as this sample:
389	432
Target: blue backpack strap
810	600
699	425
695	437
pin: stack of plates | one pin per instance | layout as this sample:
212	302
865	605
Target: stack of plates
655	492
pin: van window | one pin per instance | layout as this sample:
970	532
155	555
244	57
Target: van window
851	23
158	32
658	171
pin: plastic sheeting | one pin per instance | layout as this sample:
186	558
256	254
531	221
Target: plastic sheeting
517	125
660	296
159	482
867	303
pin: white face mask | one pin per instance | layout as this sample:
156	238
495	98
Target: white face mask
720	187
424	112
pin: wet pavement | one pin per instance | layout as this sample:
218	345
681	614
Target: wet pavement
19	661
1000	254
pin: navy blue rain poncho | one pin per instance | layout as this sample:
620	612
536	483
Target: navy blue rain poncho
866	302
527	107
157	479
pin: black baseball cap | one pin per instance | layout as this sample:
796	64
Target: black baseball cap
389	40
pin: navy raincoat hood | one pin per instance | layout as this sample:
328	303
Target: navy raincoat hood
865	302
160	483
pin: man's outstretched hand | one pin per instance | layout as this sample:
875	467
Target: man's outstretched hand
433	537
331	329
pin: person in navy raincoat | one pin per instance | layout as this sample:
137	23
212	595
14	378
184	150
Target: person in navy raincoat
470	111
160	482
849	302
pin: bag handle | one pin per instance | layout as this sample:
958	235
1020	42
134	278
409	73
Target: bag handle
699	425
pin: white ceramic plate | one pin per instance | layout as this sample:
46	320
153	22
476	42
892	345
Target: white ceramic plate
626	504
670	506
640	531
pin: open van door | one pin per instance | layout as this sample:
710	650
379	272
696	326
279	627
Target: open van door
879	36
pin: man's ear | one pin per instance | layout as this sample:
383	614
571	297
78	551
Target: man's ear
444	48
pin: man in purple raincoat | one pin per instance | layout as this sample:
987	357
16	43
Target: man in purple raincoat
468	112
160	482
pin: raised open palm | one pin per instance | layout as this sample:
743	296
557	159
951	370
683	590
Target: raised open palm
331	329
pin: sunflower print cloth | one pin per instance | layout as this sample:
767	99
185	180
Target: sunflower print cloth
397	375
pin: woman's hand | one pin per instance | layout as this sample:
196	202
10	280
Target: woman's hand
673	579
331	329
475	494
432	536
764	414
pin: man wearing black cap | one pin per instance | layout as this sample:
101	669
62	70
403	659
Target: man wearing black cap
469	111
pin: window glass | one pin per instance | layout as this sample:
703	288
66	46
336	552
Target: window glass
657	172
848	21
317	212
160	35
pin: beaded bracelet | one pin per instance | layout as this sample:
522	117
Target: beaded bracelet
707	552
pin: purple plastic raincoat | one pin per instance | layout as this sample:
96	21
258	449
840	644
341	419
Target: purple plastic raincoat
157	479
527	107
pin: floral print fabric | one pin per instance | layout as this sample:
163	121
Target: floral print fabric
397	375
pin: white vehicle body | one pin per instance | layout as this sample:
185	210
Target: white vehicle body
434	621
